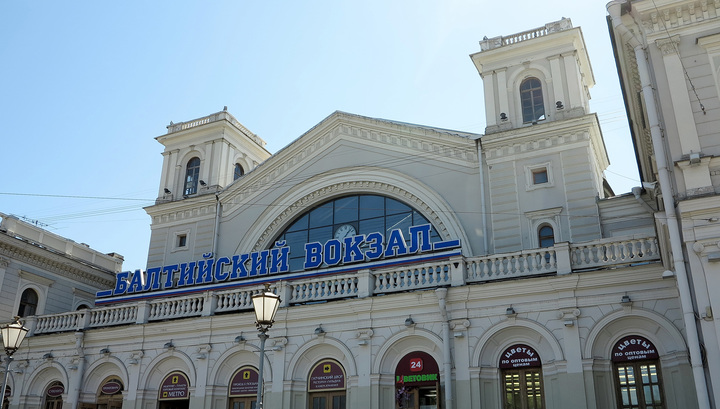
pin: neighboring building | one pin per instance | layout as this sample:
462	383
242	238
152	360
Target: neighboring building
43	273
418	267
668	55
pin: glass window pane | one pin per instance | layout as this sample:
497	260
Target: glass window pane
372	225
371	206
321	235
346	209
300	224
321	215
393	206
400	221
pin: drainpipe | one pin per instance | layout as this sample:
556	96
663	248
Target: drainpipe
216	232
481	167
447	357
688	311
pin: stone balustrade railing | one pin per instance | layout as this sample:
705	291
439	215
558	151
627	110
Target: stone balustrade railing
500	41
563	258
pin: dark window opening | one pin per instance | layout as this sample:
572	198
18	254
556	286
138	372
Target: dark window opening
531	100
28	303
192	175
540	176
546	236
239	171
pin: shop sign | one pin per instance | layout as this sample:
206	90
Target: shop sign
244	382
327	375
363	248
417	369
111	388
632	348
8	391
519	356
56	390
175	386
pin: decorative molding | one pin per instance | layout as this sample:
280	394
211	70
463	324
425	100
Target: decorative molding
668	46
60	268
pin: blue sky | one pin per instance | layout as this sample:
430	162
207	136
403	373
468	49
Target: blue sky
85	87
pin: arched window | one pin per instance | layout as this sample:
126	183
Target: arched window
326	385
109	395
243	388
28	303
546	236
638	379
348	216
53	395
239	171
192	175
521	373
531	99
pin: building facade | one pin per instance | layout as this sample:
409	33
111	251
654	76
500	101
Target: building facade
418	267
668	57
43	273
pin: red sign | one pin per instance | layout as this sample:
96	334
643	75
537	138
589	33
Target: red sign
327	375
111	388
175	387
632	348
519	356
244	382
417	369
55	390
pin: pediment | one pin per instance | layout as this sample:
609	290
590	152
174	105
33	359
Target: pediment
344	139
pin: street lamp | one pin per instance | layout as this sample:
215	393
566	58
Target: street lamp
266	304
12	336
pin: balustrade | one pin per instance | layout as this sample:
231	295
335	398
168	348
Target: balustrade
563	258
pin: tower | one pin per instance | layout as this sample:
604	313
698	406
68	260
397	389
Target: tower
544	152
206	154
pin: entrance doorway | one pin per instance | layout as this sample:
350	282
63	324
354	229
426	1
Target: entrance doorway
243	403
327	400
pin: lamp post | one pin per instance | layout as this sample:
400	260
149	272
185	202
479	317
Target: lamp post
266	304
13	335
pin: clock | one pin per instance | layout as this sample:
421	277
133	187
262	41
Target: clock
346	230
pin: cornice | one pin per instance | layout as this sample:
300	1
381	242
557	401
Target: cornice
62	267
552	135
182	210
660	17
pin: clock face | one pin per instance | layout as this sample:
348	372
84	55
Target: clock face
346	230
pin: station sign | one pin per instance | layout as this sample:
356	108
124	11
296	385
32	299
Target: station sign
333	256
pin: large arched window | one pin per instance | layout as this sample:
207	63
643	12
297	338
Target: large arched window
349	216
192	175
239	171
28	303
531	100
